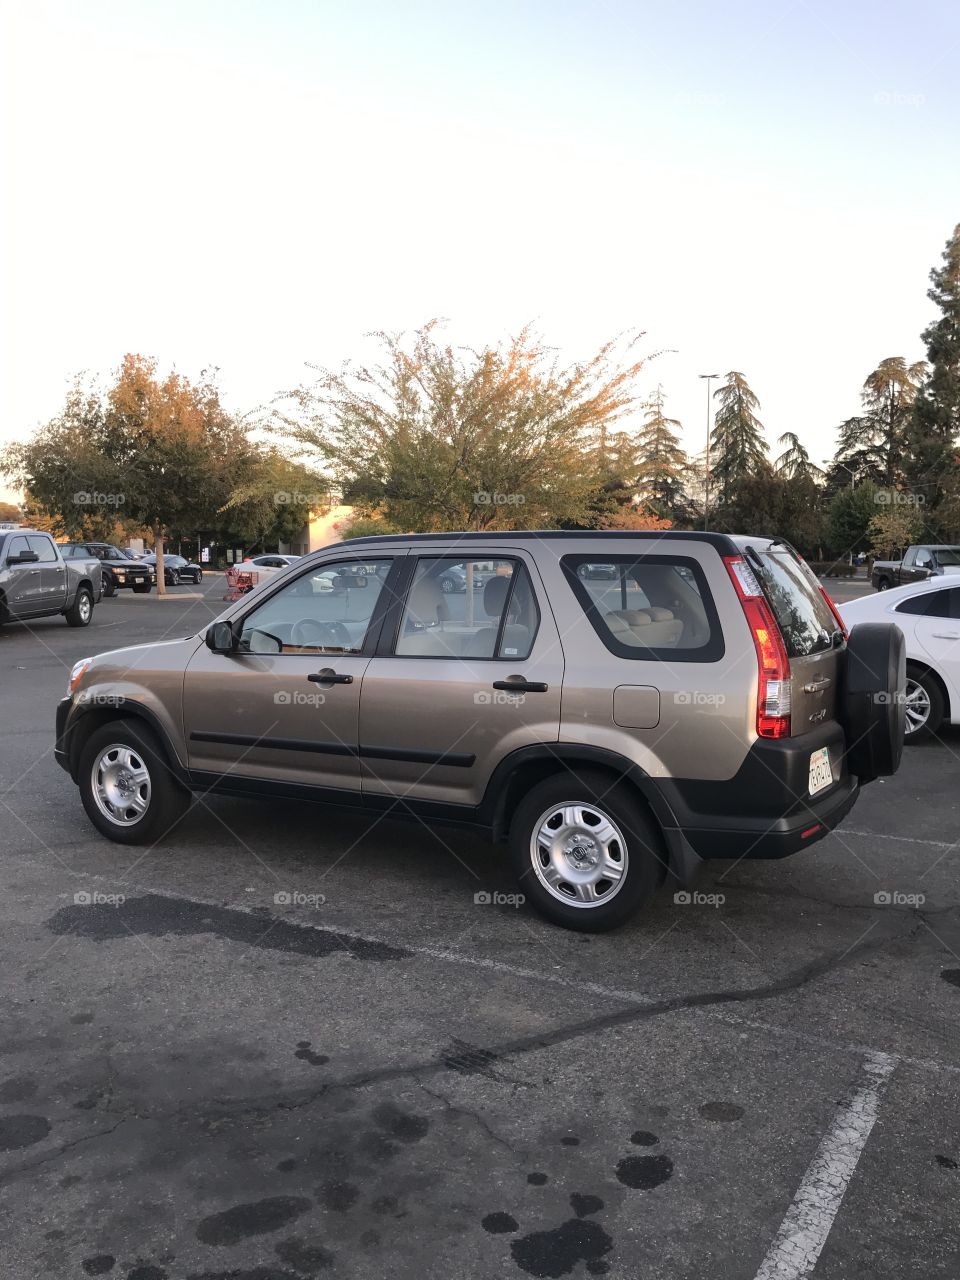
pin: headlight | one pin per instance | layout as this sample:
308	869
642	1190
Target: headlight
77	672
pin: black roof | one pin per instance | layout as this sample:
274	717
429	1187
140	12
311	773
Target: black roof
723	542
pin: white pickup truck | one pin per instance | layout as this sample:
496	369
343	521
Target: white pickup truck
36	581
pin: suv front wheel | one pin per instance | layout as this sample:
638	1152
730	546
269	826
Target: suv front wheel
127	788
585	851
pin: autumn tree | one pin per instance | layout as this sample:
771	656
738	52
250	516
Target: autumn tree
737	441
9	512
438	437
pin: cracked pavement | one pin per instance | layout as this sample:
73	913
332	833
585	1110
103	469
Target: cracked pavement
401	1083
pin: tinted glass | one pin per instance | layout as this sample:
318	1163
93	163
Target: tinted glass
17	547
949	555
478	608
806	620
44	548
648	606
933	604
327	611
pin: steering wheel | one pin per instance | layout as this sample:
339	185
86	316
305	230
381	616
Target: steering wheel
308	632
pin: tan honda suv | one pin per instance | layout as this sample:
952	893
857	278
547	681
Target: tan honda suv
617	707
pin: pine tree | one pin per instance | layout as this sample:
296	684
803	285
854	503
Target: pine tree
739	448
872	446
794	463
662	459
931	450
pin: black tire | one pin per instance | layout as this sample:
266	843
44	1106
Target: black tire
142	588
109	585
924	683
174	579
197	577
81	611
167	799
884	584
643	854
872	703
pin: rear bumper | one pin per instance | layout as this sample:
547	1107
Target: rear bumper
765	810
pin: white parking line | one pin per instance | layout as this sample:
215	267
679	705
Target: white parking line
803	1232
878	835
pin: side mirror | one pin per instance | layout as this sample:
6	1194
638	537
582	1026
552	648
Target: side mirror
220	637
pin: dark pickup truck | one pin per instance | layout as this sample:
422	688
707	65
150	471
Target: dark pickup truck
36	581
920	562
118	569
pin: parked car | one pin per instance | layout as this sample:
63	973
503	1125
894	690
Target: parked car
921	562
712	705
928	614
598	571
454	579
271	560
176	569
117	569
37	582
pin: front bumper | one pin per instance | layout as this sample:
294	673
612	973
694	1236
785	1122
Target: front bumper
61	747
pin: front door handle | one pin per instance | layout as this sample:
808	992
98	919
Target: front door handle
327	675
947	635
517	684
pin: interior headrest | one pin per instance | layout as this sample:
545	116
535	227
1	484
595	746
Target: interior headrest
426	603
494	596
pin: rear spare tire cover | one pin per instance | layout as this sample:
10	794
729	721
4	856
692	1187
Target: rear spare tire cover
873	709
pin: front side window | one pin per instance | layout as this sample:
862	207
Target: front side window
469	609
326	611
44	549
653	607
17	547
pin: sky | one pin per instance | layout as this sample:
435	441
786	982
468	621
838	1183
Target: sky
254	185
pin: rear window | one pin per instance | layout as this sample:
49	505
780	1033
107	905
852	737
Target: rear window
648	607
806	620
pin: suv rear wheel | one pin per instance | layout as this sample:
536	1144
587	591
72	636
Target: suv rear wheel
126	785
585	851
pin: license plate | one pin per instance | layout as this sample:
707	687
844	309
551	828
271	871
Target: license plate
821	775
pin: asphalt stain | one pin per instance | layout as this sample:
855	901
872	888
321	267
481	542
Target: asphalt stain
945	1162
643	1173
377	1147
82	1019
644	1138
537	1179
385	1204
306	1054
725	1111
147	1272
286	1165
570	1142
245	1220
308	1259
251	1273
952	976
338	1196
499	1224
469	1060
99	1264
17	1132
556	1253
582	1205
18	1089
403	1125
154	916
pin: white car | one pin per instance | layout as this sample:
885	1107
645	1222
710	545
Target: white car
928	614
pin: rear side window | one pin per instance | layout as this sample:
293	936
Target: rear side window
805	619
648	607
469	609
934	604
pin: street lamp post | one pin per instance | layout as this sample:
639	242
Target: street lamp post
706	494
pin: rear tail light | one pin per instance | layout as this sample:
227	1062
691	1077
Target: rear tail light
773	692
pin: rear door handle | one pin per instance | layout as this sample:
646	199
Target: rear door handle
328	676
517	684
947	635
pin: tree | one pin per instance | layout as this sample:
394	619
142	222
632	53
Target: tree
936	411
894	528
848	519
873	445
794	463
662	461
737	440
273	498
10	512
445	438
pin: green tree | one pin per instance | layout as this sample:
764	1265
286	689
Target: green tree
933	431
849	516
445	438
273	498
794	463
873	445
662	460
737	440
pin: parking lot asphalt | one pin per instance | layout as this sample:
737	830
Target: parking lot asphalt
287	1042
